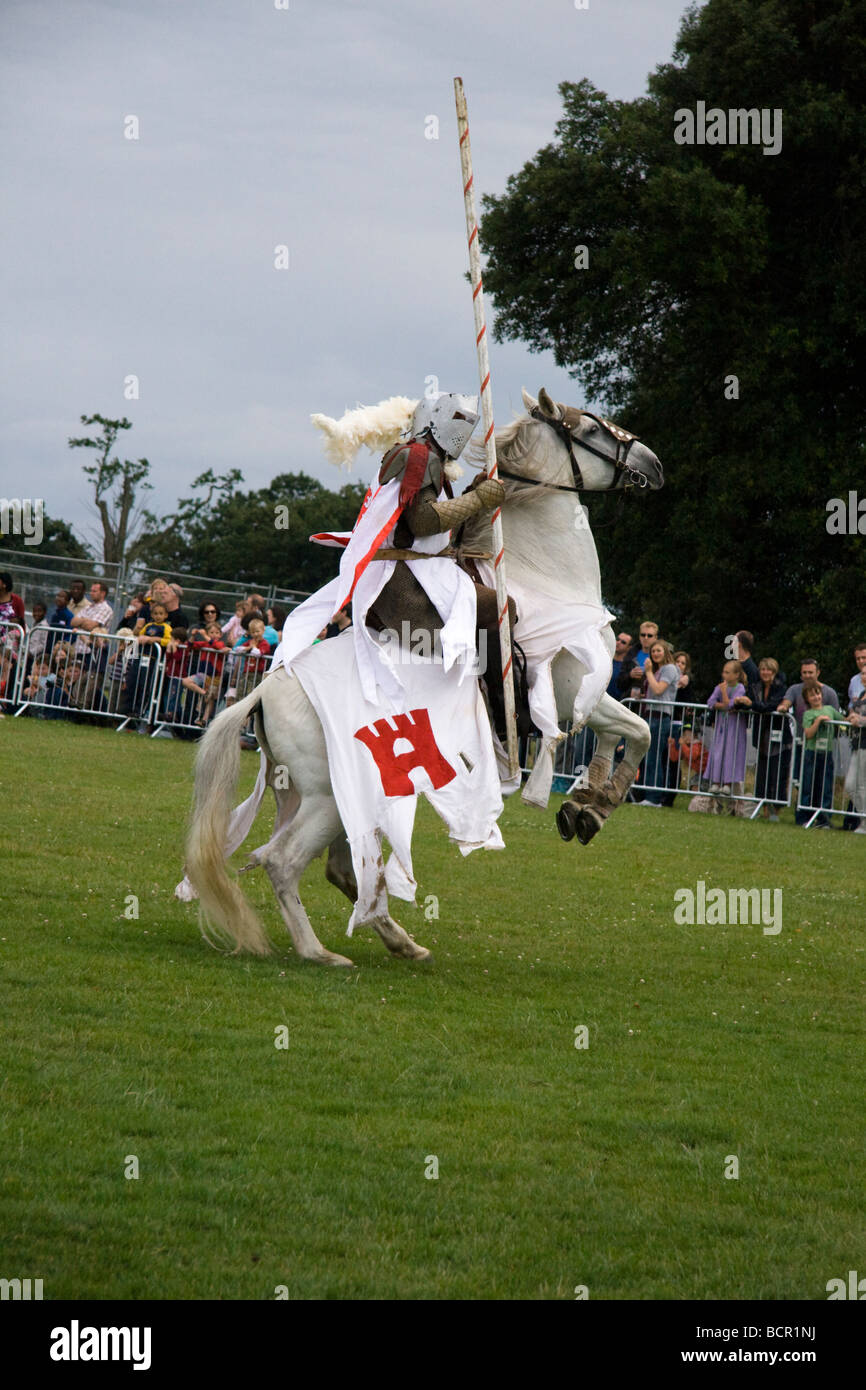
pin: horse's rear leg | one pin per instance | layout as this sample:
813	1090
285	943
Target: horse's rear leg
398	941
584	812
338	868
303	840
598	772
339	871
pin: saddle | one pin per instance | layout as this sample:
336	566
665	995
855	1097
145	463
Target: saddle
492	679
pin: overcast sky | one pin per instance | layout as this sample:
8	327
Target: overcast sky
258	127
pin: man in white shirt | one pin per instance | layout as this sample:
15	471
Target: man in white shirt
97	613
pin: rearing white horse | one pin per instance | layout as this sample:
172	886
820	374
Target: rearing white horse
546	458
552	569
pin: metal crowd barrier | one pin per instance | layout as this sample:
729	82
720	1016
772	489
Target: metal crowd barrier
736	760
62	674
832	781
12	639
65	672
735	757
726	758
681	760
571	757
198	682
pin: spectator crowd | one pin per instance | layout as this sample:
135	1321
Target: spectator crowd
701	737
75	667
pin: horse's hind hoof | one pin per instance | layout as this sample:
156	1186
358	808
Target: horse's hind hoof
589	823
566	820
325	957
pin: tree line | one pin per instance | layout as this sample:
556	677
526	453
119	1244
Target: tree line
714	298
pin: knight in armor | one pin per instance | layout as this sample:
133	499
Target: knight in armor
440	430
398	568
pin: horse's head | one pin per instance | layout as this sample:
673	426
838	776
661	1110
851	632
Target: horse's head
597	455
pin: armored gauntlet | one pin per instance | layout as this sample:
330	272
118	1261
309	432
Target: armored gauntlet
454	511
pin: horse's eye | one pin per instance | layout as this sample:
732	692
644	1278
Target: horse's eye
593	429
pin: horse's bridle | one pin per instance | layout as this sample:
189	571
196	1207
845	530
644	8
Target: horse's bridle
622	438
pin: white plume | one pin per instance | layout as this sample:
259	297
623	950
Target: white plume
377	426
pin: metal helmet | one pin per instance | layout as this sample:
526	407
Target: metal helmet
449	417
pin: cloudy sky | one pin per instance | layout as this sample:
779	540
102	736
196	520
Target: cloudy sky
258	127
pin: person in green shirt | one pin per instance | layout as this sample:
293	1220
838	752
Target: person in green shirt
816	785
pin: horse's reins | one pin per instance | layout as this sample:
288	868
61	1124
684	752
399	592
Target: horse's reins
623	441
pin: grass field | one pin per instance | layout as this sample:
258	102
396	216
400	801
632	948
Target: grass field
304	1167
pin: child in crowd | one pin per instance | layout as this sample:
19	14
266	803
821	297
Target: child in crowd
816	782
210	648
73	679
256	649
60	616
177	663
45	691
154	635
115	671
61	613
727	764
232	631
96	663
40	673
158	630
38	630
136	604
59	657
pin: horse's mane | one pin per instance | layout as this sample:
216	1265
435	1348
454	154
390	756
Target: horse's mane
513	444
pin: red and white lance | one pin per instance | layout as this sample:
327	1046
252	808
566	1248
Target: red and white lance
487	418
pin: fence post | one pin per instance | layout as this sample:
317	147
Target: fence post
13	694
122	598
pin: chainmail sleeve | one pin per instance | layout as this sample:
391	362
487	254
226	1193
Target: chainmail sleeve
419	519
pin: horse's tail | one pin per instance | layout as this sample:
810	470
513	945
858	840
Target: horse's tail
225	917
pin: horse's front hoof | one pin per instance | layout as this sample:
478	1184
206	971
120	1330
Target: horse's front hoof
566	820
588	823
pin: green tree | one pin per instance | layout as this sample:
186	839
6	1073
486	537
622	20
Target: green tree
58	538
257	537
707	263
116	486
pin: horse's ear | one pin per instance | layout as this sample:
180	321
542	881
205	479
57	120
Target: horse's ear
529	401
548	406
